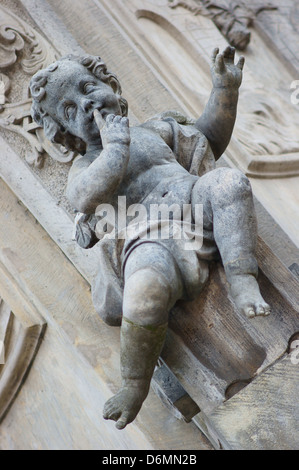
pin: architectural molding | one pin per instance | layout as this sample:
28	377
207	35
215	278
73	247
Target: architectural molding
217	365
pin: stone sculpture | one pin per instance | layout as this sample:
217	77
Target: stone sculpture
163	161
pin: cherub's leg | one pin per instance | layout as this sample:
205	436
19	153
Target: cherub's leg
152	286
229	213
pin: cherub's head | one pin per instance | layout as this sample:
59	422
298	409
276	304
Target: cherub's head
65	96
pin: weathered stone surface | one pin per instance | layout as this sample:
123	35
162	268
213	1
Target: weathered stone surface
207	330
232	19
280	29
147	166
171	392
144	23
77	366
265	415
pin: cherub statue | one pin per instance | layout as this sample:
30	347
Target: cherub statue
79	104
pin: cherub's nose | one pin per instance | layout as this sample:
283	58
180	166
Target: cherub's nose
86	104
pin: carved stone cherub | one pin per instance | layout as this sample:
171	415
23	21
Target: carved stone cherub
79	104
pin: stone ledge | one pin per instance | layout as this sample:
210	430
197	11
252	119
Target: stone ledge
265	415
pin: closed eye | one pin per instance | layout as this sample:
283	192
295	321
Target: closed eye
69	110
88	87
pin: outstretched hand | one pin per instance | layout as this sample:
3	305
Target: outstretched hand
225	73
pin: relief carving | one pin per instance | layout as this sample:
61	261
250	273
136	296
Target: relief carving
20	44
267	135
231	18
268	125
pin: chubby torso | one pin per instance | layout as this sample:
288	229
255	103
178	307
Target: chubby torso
153	177
153	174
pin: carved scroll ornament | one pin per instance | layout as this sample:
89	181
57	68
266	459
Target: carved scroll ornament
19	43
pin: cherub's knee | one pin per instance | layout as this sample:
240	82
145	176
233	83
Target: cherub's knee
231	185
147	297
238	182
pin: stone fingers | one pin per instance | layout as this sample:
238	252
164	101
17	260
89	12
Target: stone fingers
219	64
214	55
241	63
229	54
110	120
226	57
99	119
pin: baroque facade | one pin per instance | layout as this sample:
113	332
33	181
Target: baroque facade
232	378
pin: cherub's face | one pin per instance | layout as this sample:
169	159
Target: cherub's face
73	94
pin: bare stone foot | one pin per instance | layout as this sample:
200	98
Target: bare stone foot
124	406
246	294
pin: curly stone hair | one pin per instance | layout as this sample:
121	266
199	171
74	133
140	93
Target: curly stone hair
38	88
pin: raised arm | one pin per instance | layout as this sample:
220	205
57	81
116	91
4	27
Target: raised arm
218	119
95	183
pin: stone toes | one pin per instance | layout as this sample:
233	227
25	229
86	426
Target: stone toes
263	310
260	311
111	411
267	311
106	414
250	312
112	414
123	421
109	406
